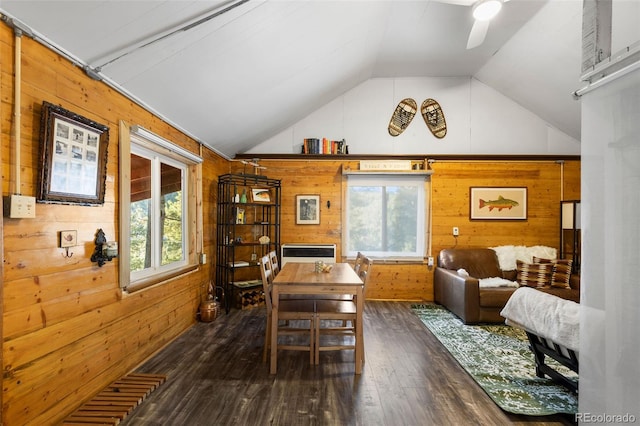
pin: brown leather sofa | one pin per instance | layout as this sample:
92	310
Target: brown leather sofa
464	297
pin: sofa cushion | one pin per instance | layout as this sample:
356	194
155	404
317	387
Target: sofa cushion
561	276
536	275
479	263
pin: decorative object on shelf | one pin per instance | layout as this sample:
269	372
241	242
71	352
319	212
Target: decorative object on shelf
402	116
73	158
260	195
264	240
68	239
307	209
243	197
489	203
434	118
240	217
104	251
324	146
385	165
570	233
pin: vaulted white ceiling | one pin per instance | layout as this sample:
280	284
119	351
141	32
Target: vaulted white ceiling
233	73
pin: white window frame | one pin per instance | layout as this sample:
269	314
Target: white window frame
156	233
139	141
422	205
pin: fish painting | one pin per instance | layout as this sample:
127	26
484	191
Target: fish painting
500	203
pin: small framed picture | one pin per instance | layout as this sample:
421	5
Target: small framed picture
491	203
68	238
260	195
307	209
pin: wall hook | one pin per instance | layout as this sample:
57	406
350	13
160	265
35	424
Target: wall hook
67	255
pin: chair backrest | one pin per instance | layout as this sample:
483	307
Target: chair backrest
273	258
267	280
358	263
365	270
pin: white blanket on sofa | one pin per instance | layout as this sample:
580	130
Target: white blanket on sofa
545	315
507	255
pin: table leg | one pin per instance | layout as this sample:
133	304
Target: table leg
359	352
274	329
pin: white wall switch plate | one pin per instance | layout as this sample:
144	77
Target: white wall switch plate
19	206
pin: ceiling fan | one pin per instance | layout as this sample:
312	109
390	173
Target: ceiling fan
483	11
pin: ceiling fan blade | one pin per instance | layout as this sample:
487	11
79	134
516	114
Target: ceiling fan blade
477	34
458	2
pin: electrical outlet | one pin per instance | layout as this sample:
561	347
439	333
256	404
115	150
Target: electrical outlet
456	231
430	261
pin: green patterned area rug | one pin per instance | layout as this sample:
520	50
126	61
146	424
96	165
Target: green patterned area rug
500	361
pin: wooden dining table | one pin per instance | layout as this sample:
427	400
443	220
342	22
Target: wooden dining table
301	279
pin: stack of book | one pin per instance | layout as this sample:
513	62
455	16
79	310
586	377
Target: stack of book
324	146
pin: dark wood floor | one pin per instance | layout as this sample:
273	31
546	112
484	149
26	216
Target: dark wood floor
216	377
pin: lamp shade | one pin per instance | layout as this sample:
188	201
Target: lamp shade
568	215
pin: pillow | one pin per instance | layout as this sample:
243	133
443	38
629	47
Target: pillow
463	272
536	275
561	273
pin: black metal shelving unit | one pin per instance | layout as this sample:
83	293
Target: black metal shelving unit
238	235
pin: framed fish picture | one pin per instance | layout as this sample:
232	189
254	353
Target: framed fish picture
498	203
260	195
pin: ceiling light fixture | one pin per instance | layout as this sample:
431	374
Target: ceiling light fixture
485	10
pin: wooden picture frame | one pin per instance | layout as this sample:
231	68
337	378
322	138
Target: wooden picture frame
73	158
68	238
260	195
498	203
308	209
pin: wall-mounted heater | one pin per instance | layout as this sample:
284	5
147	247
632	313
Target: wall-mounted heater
307	253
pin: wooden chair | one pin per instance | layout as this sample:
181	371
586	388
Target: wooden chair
341	310
275	266
358	262
288	310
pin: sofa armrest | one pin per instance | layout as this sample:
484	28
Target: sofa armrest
461	295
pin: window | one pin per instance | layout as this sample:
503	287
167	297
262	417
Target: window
385	216
157	213
157	199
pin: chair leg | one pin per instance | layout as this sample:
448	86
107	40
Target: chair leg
316	346
312	339
267	340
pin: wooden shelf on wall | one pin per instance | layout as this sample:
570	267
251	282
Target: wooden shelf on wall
438	157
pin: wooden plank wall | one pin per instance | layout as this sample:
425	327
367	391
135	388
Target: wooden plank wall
451	180
68	330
